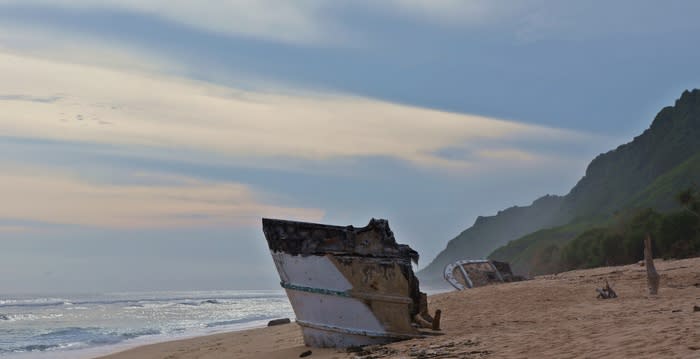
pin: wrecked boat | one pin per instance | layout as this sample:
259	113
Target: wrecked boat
470	273
348	286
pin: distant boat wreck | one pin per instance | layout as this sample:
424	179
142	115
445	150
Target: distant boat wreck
348	286
470	273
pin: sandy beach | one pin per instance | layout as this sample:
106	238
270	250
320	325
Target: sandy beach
554	316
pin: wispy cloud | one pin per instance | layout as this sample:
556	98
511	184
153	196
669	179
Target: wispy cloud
55	197
300	21
28	98
70	46
119	107
313	22
13	229
456	12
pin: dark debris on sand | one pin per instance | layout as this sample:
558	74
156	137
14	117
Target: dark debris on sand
451	349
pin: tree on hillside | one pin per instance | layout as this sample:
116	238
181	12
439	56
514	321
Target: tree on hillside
679	236
690	199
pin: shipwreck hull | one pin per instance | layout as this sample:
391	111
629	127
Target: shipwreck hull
465	274
348	286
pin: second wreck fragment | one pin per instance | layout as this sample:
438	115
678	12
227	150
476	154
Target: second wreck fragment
348	286
470	273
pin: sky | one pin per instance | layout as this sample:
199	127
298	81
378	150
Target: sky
142	141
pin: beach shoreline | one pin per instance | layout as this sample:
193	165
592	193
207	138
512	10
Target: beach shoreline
98	352
85	325
143	341
549	316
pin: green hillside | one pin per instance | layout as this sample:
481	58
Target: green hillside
537	253
661	193
613	179
647	172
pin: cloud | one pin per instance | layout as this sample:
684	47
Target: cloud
13	229
55	197
300	21
114	106
313	22
547	18
456	12
61	45
11	97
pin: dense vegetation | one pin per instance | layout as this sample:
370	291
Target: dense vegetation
540	252
675	235
598	222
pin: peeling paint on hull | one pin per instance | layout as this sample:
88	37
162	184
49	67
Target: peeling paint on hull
348	286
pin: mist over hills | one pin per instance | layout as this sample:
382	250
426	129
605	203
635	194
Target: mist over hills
646	172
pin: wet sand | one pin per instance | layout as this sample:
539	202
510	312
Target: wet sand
554	316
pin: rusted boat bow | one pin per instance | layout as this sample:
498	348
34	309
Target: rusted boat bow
348	286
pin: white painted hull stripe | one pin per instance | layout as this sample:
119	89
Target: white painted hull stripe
325	291
348	294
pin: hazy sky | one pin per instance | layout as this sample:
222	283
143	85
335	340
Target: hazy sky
142	141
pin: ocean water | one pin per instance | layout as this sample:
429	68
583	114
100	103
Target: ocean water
82	326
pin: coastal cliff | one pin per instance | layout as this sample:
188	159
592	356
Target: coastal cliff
644	173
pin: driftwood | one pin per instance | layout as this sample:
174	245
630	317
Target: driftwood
425	320
606	292
418	319
278	322
436	319
652	276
